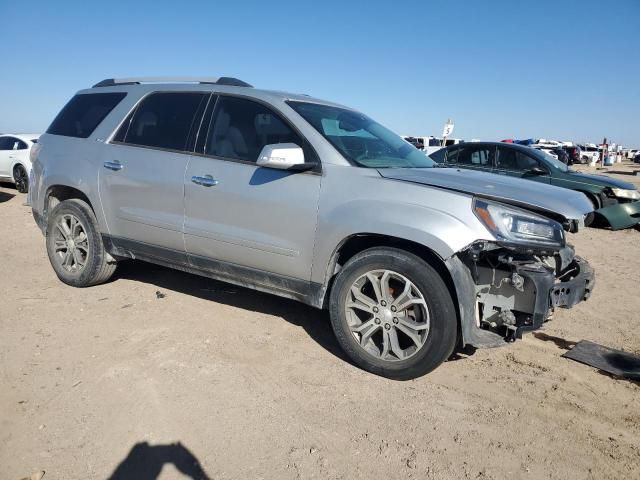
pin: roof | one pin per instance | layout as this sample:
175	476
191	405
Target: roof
214	84
22	136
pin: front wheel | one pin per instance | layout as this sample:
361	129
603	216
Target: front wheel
393	314
21	179
75	247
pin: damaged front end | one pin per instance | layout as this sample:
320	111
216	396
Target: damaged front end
505	289
620	208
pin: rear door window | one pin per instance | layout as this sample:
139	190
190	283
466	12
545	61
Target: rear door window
476	156
162	120
6	143
84	112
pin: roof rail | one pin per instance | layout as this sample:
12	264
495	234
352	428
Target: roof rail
111	82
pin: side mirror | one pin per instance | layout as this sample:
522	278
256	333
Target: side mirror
283	156
537	171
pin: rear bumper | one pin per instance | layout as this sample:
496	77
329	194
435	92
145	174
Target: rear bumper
621	215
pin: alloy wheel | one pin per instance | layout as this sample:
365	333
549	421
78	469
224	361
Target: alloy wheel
21	179
71	243
387	315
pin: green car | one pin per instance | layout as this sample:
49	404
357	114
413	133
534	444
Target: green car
616	203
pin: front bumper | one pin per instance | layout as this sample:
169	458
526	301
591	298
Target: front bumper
621	215
498	305
571	292
556	293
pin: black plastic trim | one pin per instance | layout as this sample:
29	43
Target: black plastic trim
303	291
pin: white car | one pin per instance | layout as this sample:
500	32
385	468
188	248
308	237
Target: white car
15	164
546	149
589	152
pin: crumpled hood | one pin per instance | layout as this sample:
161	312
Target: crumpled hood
526	194
602	180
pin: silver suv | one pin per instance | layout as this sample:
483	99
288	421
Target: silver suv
309	200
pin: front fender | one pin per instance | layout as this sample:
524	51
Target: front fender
360	201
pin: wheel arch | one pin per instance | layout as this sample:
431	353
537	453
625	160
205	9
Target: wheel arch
356	243
56	194
18	163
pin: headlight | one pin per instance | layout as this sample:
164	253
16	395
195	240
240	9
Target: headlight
517	226
625	193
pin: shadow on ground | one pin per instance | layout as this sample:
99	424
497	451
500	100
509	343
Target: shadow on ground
315	322
622	172
560	342
5	197
145	462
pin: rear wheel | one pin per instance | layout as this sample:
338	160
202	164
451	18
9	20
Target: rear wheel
392	313
75	247
21	178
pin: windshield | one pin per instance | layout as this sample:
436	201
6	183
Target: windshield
555	163
361	140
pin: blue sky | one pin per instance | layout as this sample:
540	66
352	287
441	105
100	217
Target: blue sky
563	69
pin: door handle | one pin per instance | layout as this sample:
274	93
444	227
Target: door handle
115	166
205	181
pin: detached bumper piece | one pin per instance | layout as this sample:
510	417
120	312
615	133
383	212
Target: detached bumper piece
615	362
513	293
620	215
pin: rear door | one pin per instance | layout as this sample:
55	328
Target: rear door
515	163
245	215
142	175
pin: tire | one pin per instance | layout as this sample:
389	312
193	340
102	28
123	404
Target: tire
84	262
433	307
21	179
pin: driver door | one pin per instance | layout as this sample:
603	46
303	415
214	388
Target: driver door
240	214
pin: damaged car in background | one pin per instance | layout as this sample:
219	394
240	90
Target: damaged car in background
616	203
309	200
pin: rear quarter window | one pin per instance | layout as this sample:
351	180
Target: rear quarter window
438	156
84	112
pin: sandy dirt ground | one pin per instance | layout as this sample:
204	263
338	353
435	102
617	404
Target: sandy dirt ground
114	381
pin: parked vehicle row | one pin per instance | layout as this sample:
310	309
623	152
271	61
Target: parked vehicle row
314	201
616	203
589	153
559	153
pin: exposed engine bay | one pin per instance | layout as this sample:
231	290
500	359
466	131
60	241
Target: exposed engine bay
516	290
